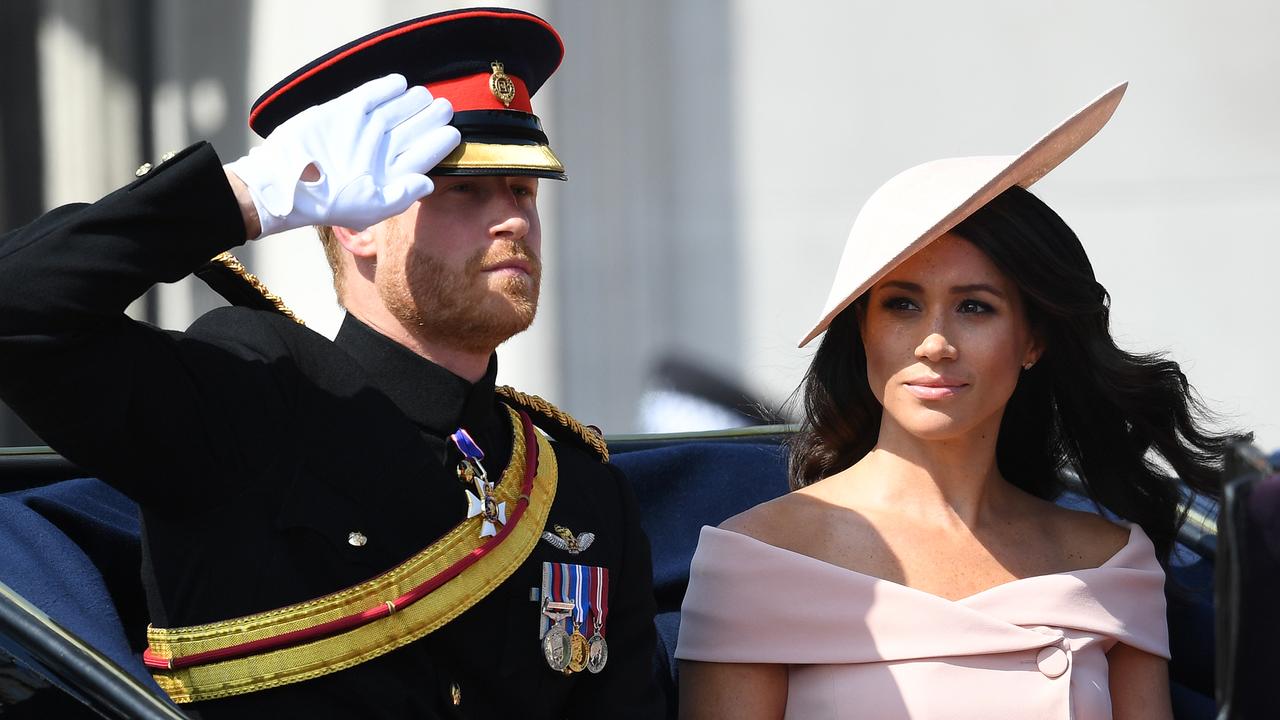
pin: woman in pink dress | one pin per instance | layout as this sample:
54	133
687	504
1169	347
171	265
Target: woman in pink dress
920	568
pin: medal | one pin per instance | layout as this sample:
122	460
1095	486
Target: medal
482	502
572	596
578	656
557	649
597	648
578	641
597	653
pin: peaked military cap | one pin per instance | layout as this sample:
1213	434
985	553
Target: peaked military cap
488	62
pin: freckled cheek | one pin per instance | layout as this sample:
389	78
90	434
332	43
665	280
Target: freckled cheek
887	355
995	354
891	347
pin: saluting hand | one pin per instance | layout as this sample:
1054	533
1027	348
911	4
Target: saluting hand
352	162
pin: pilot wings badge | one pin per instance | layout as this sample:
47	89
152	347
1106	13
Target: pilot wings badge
564	539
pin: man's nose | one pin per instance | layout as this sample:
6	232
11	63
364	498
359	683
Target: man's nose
514	227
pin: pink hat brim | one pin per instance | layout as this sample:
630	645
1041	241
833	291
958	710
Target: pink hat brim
919	205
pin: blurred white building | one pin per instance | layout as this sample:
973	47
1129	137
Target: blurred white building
718	152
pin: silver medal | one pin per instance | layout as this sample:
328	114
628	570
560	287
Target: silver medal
557	648
597	653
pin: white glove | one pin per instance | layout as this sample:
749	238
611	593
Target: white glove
372	146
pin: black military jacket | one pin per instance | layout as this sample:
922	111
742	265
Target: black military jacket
255	447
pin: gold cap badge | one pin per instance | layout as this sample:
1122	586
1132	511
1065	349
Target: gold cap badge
501	85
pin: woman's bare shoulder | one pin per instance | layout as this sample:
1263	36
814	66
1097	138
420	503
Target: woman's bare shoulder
778	521
763	521
1087	539
809	521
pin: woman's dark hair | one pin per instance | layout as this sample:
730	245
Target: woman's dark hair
1086	405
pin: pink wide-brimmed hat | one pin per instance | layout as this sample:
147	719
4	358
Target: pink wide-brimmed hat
919	205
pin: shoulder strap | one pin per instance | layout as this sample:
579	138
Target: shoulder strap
228	277
556	422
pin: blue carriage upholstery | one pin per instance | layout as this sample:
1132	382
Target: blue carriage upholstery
74	552
682	488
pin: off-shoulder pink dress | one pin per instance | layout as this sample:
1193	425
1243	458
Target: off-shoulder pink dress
862	647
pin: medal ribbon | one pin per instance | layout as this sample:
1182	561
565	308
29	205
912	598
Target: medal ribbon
546	595
557	588
601	583
585	577
560	588
567	592
466	445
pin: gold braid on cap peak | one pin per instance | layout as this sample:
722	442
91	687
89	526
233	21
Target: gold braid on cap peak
556	422
227	276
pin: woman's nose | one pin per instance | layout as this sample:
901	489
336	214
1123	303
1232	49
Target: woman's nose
935	347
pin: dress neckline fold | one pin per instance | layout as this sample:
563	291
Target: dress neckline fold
1133	542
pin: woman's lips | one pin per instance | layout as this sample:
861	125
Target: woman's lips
935	389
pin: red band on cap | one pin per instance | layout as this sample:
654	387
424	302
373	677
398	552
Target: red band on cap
473	93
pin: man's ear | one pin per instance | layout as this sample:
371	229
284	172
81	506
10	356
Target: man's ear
360	244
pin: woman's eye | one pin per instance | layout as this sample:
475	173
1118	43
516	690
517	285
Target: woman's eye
900	303
974	306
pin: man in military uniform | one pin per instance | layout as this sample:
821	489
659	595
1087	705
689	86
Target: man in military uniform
362	527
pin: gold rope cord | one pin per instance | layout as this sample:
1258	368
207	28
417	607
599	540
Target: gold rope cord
233	264
337	652
542	408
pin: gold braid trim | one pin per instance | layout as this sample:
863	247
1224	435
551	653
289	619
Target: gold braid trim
402	626
233	264
540	408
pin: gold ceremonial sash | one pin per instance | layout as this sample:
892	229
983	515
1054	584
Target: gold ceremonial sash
366	620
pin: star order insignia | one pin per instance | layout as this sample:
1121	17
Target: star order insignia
482	503
564	539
